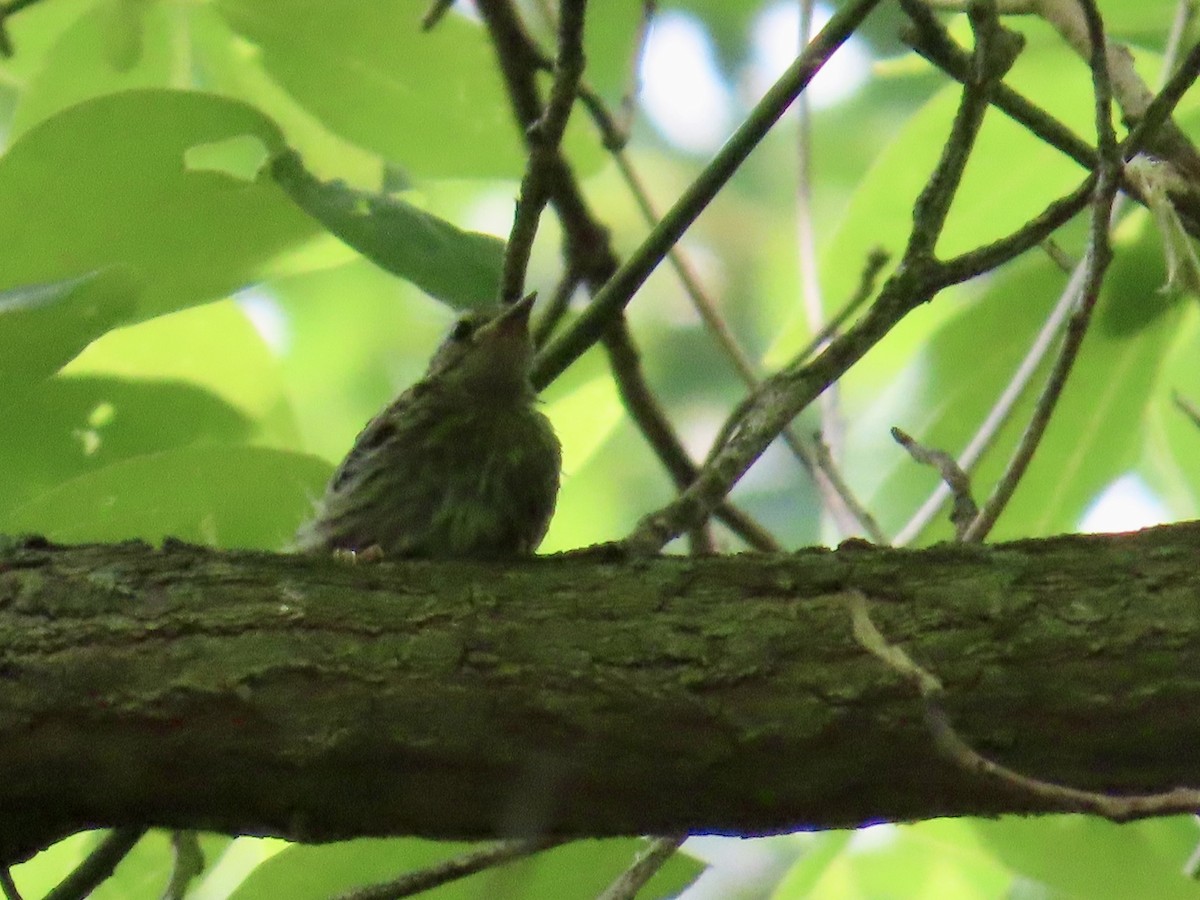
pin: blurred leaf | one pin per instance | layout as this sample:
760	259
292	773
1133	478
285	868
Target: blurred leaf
461	268
944	389
820	851
609	45
1144	22
228	67
236	862
70	426
1098	426
244	497
213	347
579	869
116	45
34	32
938	858
42	326
586	417
425	100
356	337
147	868
105	200
1083	856
1171	439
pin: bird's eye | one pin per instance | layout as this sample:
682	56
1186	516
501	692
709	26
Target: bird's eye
462	330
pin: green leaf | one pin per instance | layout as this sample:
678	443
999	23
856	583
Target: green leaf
116	45
1097	430
70	426
1083	856
34	32
461	268
1006	161
427	101
147	869
939	384
821	850
214	347
937	858
1172	438
43	326
245	497
577	870
434	102
105	200
221	60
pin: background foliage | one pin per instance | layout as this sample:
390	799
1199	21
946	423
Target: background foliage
185	352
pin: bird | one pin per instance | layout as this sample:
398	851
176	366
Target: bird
462	464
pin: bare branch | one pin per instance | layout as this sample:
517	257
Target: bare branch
633	879
1096	260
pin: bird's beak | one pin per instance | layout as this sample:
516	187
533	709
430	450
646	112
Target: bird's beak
517	315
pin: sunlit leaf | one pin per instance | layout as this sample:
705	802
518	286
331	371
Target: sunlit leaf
420	99
103	200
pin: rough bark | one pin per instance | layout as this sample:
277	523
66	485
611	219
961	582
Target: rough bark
255	693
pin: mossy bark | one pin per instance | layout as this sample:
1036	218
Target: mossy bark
304	697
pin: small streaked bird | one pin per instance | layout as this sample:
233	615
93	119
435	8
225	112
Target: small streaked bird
462	464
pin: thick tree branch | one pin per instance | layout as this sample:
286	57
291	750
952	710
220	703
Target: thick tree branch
253	693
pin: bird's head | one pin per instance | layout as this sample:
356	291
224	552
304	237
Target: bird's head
488	354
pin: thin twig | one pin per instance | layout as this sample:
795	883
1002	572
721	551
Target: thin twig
828	405
931	40
952	746
453	869
98	865
1096	260
1186	407
543	138
918	277
849	513
614	130
633	879
1163	104
617	292
8	885
1001	410
187	865
588	252
996	49
956	480
835	492
436	12
556	308
625	365
832	483
877	258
